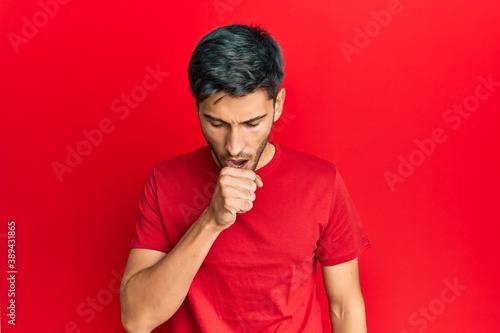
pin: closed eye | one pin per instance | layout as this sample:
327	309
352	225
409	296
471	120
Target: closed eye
217	125
251	125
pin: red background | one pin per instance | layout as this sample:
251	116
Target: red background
361	112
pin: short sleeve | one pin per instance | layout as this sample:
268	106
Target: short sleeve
150	229
344	237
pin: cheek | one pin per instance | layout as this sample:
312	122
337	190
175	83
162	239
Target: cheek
210	133
214	137
258	136
265	131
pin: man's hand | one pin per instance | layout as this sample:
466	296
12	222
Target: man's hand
154	283
234	193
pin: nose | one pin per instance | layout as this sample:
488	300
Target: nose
234	142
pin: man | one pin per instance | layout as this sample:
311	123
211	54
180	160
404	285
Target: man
228	237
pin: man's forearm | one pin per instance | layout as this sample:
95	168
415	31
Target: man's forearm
153	295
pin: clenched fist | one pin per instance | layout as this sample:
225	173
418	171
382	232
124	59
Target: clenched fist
233	194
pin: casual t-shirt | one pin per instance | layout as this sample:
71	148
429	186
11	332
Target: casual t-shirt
260	274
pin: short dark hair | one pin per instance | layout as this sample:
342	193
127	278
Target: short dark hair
237	59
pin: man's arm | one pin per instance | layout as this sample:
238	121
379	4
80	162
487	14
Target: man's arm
347	308
155	284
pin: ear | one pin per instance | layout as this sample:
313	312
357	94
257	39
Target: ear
278	107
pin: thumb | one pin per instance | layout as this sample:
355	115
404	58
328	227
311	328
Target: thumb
258	181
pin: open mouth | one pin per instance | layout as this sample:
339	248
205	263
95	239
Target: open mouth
237	164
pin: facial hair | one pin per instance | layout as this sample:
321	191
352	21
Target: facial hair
260	150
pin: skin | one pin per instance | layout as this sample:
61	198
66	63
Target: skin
237	130
346	304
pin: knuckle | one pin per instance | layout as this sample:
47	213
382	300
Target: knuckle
223	179
228	203
251	195
250	185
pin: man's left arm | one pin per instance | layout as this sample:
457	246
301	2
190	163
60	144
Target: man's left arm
347	308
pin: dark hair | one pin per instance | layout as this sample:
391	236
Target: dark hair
237	59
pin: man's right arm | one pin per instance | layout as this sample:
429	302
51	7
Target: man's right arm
155	284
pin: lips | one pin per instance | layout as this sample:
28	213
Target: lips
237	163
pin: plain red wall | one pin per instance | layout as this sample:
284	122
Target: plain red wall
359	99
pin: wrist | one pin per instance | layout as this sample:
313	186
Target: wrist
209	222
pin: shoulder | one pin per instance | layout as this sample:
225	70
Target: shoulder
307	163
182	162
181	170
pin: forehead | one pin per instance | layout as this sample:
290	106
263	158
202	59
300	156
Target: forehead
224	106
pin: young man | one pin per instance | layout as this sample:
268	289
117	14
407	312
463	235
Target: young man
228	236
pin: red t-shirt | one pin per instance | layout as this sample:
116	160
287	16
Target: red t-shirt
260	274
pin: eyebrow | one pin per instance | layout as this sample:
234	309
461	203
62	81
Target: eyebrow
244	122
